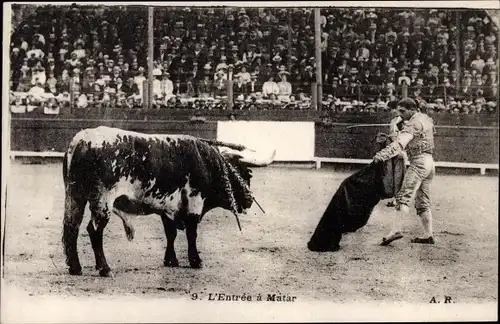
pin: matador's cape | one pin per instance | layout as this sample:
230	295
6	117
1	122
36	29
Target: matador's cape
355	199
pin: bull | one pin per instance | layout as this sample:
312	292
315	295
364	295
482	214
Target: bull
178	177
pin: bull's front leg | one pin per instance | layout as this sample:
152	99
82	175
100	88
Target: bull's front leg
170	259
191	234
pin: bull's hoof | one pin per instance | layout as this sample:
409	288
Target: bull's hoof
316	248
195	263
171	263
107	273
75	271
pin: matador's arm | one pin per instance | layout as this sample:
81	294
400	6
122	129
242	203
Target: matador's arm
399	143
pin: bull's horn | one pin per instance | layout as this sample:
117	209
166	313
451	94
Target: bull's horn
252	158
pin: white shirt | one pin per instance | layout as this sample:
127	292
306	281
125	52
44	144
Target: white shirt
270	87
224	76
157	88
285	88
221	66
38	53
37	92
245	76
80	53
139	80
167	87
82	101
42	78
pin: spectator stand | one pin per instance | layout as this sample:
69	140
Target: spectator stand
90	61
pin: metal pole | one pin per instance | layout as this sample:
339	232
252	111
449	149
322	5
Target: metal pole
459	45
317	38
150	57
71	97
289	40
230	88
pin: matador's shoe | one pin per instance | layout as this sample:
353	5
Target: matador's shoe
391	238
429	240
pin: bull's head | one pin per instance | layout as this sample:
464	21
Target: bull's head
240	174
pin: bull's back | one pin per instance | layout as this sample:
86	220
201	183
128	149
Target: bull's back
102	157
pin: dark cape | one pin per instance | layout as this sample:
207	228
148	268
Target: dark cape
355	199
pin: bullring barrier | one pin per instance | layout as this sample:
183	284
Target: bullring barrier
457	147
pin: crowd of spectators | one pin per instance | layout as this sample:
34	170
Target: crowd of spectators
447	60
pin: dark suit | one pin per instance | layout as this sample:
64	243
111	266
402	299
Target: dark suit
254	86
239	89
220	87
205	86
130	89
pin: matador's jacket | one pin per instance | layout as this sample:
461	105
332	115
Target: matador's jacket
416	137
353	202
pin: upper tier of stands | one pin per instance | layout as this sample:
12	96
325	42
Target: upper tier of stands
448	59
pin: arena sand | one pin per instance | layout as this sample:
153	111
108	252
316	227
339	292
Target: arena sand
269	256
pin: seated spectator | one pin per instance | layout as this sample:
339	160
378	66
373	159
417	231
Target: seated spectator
222	64
37	92
179	88
240	89
157	89
220	84
167	86
81	100
18	106
38	74
466	91
139	80
63	98
130	88
51	107
245	75
284	87
190	88
51	84
270	87
477	64
254	85
205	87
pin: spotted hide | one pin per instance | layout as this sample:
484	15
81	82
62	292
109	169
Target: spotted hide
125	173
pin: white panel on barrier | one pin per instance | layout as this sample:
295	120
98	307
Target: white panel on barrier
293	141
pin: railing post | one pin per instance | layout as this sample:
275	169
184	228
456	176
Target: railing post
319	73
150	58
314	95
71	97
145	94
230	87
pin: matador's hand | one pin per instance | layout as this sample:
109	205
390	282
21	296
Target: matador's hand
377	159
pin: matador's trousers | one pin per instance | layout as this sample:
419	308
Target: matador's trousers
417	183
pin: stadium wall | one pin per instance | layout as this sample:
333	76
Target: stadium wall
461	144
256	115
34	135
